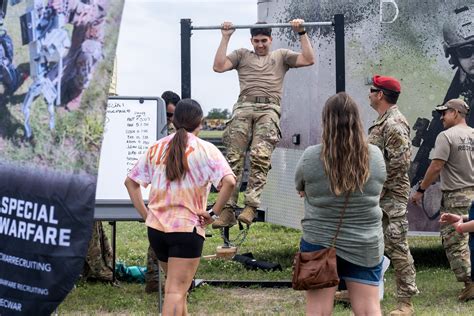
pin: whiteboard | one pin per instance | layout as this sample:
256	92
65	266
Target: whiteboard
132	124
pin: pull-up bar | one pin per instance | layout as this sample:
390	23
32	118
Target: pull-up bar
186	28
266	25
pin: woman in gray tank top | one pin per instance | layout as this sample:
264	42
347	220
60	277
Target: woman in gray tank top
344	164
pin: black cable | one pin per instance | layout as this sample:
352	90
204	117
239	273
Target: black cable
430	217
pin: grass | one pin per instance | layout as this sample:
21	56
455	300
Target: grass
210	134
267	242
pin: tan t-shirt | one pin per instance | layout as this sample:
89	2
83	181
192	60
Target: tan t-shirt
456	146
262	76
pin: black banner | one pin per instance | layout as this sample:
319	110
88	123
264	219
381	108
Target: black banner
45	226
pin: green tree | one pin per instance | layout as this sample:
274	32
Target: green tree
218	114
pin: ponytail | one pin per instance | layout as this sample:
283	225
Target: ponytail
176	162
187	117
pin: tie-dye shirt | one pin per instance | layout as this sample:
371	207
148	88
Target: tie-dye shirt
173	204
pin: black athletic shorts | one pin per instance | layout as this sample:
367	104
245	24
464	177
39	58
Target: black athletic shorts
177	245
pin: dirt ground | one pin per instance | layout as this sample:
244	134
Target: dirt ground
246	301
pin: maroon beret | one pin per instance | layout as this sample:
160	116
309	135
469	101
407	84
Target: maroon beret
387	83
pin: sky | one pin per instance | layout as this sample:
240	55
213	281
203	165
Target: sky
148	51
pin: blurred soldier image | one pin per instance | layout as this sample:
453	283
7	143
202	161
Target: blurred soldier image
391	133
152	266
88	18
255	121
9	76
453	160
61	67
458	36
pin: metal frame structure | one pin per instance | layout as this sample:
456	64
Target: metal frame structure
186	32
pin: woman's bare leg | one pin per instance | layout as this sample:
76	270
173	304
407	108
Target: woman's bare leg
364	299
320	302
179	275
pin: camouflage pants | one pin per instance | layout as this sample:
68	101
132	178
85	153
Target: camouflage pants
254	127
98	264
455	244
152	266
395	228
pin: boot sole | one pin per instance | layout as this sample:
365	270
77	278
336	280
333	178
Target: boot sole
245	221
219	226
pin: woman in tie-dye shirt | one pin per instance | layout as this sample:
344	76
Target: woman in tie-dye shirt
180	169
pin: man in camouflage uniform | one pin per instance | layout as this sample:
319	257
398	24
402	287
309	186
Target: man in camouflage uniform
391	133
255	122
453	160
98	264
152	266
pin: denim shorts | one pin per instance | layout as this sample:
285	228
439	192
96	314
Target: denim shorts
349	271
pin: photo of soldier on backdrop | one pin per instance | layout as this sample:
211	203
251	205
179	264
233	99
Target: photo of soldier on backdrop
50	53
458	45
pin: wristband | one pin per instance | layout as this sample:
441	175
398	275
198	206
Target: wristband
212	214
302	32
419	187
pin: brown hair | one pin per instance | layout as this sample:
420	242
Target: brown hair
187	117
345	152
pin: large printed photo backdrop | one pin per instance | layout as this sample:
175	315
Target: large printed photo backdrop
56	61
426	44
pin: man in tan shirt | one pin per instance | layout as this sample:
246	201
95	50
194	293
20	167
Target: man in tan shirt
453	161
255	122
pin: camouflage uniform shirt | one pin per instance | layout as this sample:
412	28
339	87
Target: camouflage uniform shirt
391	133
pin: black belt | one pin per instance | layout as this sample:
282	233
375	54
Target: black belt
258	99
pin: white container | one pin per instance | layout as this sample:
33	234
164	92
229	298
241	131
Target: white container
385	265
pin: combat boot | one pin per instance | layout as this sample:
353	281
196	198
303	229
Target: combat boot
467	293
152	286
404	307
247	215
226	218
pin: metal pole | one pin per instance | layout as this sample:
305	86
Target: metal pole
226	237
186	58
253	26
340	53
160	292
114	248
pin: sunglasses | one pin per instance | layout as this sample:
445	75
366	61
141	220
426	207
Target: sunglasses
373	90
465	51
169	115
